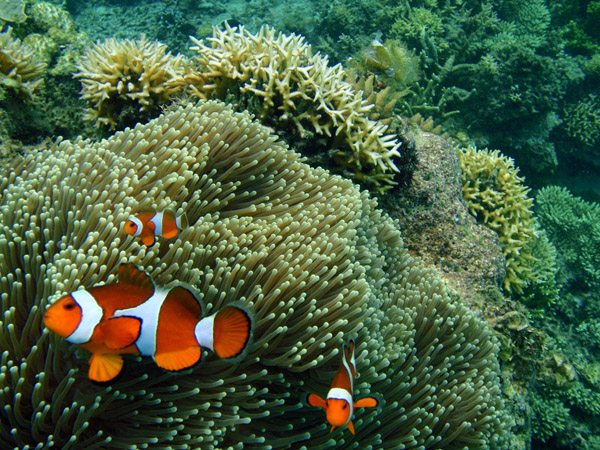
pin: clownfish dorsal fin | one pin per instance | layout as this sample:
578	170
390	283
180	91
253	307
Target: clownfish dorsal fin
105	367
179	359
120	332
316	400
130	274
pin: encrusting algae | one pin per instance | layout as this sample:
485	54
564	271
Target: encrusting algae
307	251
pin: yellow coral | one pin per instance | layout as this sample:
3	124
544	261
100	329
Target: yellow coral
121	74
497	197
19	71
292	82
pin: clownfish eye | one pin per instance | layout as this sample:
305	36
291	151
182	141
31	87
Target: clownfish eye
69	306
345	405
130	224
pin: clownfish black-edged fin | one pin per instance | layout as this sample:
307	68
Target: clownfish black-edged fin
232	331
178	360
316	400
185	295
129	274
105	367
367	402
120	332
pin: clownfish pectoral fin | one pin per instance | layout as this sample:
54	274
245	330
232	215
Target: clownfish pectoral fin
105	367
130	274
367	402
120	332
350	426
231	331
178	360
316	400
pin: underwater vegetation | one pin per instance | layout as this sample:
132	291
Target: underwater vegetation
308	251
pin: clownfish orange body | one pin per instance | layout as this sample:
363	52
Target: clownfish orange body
148	225
339	405
134	316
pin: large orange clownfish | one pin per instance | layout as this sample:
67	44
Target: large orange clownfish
134	316
339	405
148	225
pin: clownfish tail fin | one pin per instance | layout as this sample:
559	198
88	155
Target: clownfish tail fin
181	221
232	330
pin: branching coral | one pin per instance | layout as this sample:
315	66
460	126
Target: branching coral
19	72
573	226
307	250
287	82
126	81
497	197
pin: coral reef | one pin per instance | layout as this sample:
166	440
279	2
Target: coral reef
285	85
12	11
573	226
20	74
127	81
497	197
582	124
437	226
310	252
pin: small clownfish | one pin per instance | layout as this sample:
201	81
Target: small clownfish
134	316
339	405
148	225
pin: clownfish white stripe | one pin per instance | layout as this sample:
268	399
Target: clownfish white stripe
342	394
148	312
138	224
178	222
157	220
91	314
204	332
348	371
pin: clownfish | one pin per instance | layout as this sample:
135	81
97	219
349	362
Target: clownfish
339	405
148	225
134	316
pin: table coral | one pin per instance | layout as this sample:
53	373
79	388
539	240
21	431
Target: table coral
307	251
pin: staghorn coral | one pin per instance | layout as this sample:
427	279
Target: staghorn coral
19	72
497	197
284	81
126	80
310	252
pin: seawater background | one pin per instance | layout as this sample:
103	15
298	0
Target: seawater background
521	76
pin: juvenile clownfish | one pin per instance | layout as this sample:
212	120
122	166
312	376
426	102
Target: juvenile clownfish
148	225
134	316
339	405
